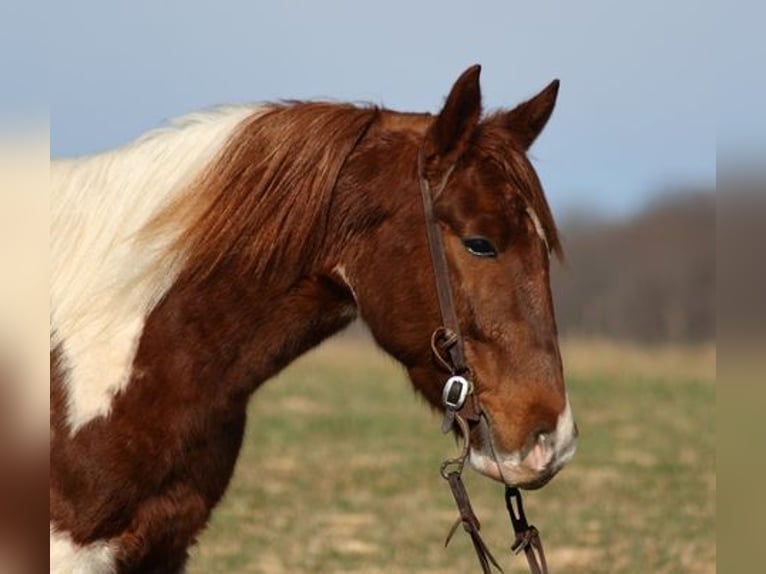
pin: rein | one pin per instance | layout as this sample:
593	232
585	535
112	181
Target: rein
462	406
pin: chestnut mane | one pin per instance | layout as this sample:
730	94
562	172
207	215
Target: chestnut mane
265	200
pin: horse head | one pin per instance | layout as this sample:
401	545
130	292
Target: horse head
498	234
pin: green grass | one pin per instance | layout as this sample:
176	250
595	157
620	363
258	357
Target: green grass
339	473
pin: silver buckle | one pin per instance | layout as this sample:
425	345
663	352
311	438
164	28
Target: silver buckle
455	391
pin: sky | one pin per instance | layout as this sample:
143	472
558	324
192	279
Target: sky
636	117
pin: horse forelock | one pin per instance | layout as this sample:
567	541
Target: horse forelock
495	143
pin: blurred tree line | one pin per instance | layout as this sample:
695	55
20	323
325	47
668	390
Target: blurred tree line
647	278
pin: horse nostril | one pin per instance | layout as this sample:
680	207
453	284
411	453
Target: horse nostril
539	440
546	440
539	450
542	433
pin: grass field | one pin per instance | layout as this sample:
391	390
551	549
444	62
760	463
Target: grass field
339	472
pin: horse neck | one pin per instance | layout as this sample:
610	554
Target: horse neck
260	297
230	329
244	327
235	333
251	319
377	206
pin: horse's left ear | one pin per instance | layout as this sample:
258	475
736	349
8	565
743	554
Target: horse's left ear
449	134
527	120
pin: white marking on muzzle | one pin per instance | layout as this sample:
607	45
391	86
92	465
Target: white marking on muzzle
534	467
565	437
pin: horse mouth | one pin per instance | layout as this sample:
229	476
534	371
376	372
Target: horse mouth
510	472
529	469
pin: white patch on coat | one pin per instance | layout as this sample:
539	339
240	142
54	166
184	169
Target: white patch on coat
66	557
342	274
104	282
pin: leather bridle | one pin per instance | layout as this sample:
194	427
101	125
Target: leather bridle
461	403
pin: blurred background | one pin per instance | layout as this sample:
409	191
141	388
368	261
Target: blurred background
628	162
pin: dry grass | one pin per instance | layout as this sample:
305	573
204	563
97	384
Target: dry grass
339	472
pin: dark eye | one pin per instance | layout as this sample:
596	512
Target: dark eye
480	247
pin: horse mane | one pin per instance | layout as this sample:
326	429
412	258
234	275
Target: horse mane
263	203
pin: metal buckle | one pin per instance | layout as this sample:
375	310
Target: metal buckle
455	391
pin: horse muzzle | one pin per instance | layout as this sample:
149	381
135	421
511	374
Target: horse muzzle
532	466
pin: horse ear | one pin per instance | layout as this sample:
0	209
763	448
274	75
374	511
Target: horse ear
449	134
527	120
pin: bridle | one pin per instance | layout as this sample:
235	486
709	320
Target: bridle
461	404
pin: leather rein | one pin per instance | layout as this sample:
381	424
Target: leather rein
461	404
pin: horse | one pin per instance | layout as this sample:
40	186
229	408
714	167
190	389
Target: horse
192	264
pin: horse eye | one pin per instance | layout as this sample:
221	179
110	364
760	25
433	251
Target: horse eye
480	247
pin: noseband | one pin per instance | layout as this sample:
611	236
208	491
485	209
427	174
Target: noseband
461	404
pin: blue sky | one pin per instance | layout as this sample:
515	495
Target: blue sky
637	113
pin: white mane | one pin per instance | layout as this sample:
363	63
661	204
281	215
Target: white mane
103	284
